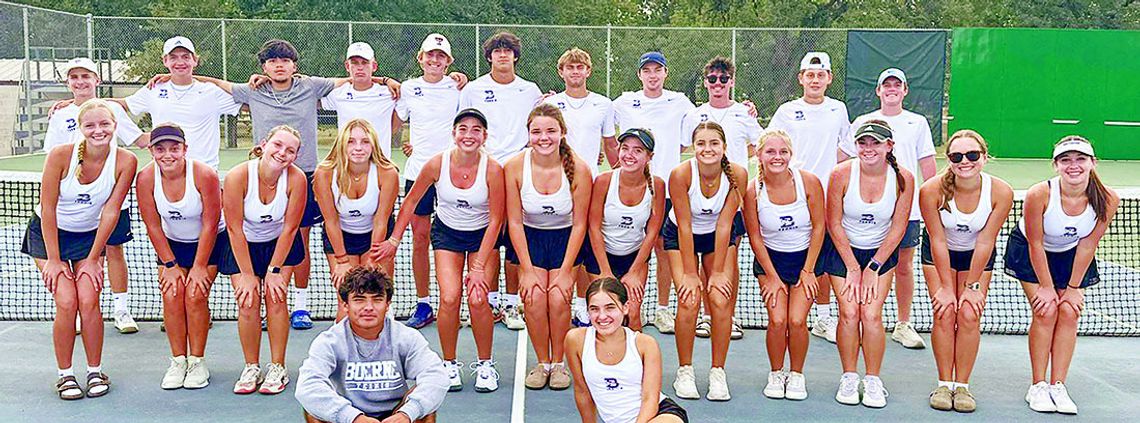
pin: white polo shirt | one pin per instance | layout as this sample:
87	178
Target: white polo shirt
817	131
588	120
429	108
740	129
912	143
63	126
506	107
374	105
662	117
196	108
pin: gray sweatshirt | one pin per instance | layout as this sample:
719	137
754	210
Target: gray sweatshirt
346	375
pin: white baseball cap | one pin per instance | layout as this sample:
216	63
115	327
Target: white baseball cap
176	42
892	73
823	61
80	63
360	49
436	42
1078	145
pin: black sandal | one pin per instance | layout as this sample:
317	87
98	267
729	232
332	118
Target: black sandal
96	380
68	388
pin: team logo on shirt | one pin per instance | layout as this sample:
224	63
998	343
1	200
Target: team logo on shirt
637	103
547	209
83	199
704	117
626	222
561	105
354	213
175	215
706	211
348	96
71	125
490	98
1070	231
417	91
163	93
787	223
799	115
462	204
962	228
266	218
867	218
372	376
612	384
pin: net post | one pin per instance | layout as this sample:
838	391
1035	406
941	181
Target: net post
231	136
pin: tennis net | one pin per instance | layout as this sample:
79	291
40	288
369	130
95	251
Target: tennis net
1112	306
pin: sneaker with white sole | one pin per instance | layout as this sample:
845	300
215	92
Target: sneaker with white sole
848	393
125	323
905	334
704	327
175	374
685	385
276	379
197	375
718	385
777	381
1061	399
796	388
486	376
664	321
513	318
737	331
874	394
825	328
78	325
454	376
249	379
1039	399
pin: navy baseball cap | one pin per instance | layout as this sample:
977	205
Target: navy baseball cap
167	132
651	57
470	112
642	135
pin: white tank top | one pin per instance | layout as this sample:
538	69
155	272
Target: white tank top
463	209
80	205
705	210
182	219
356	213
866	224
264	222
616	389
545	211
1062	232
623	227
962	228
785	227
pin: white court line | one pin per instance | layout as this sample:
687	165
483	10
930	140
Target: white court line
518	402
9	329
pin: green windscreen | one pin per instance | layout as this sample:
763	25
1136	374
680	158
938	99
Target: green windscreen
1023	89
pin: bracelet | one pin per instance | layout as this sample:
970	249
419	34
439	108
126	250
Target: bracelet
395	242
1073	287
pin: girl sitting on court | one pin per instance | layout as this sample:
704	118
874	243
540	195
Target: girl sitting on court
1052	253
81	194
617	371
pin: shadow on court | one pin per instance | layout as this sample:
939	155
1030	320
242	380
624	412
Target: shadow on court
1102	381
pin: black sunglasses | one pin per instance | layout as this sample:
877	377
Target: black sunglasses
713	78
972	156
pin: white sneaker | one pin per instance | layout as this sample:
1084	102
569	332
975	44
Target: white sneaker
249	379
848	392
78	325
197	375
1039	399
276	379
904	334
175	374
1060	396
796	388
486	376
125	323
718	385
704	327
825	328
454	376
777	380
685	385
513	318
737	332
874	394
664	321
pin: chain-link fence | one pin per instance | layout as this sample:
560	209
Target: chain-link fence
35	42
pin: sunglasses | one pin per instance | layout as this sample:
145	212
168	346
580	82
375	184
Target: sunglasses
972	156
722	78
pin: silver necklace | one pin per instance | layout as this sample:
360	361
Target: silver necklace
288	93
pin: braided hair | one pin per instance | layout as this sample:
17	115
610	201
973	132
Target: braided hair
81	147
564	151
891	159
725	165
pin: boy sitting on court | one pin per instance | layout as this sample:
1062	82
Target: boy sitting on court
358	369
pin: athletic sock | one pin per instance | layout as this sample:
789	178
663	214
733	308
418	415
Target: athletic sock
120	301
425	300
512	299
579	303
947	384
95	369
661	308
301	299
70	371
547	366
823	310
961	385
493	299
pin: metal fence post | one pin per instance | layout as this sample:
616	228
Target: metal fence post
349	33
26	122
733	93
90	37
231	136
609	57
478	53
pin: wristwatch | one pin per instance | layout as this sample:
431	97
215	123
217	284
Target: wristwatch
874	265
975	286
168	264
276	270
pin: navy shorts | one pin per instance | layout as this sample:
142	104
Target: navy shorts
620	265
831	263
1017	263
910	237
668	407
260	253
122	232
445	238
426	206
702	243
184	252
312	210
72	245
547	247
959	260
355	244
788	265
